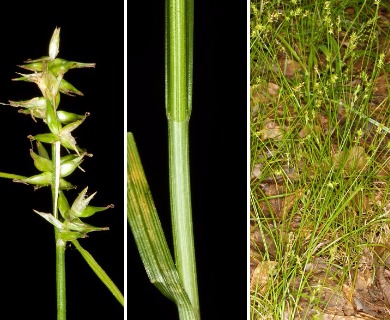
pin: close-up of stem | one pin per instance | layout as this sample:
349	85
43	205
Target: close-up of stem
179	20
178	99
189	207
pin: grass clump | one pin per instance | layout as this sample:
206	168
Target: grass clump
319	159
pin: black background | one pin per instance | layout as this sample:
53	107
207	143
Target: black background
218	139
90	32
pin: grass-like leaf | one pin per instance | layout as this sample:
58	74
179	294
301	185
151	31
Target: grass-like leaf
149	235
100	272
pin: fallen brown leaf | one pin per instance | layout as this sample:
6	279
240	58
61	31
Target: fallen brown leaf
289	67
261	275
271	130
352	160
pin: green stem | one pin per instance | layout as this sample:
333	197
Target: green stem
60	244
178	72
181	208
60	278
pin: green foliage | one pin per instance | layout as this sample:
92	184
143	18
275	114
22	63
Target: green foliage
319	149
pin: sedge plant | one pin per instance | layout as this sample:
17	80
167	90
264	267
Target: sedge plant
57	164
175	278
319	155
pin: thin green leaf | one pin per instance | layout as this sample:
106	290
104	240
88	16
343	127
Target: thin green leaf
100	272
149	235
